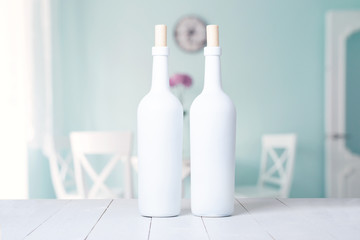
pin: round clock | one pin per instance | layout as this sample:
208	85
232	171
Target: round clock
190	33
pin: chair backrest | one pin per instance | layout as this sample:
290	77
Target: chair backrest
117	144
58	151
277	161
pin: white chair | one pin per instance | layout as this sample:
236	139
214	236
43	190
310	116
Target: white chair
58	151
276	169
117	144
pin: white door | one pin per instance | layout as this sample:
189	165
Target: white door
342	117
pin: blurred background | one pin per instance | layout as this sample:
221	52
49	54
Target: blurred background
290	67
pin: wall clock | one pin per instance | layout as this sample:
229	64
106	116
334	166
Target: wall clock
190	33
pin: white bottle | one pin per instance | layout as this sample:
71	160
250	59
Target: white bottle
160	129
212	140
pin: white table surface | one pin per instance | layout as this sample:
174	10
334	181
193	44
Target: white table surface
119	219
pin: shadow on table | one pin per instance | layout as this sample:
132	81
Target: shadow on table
186	210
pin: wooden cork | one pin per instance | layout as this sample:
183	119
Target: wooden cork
212	35
160	35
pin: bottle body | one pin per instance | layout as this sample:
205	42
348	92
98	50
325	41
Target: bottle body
212	140
160	125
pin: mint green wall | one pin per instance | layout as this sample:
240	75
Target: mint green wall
272	68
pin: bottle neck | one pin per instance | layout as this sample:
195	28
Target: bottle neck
160	75
212	79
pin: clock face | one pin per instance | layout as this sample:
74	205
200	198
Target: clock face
190	34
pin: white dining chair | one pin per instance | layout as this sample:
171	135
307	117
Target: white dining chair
58	151
276	170
116	144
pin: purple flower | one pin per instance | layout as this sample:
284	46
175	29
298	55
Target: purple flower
178	78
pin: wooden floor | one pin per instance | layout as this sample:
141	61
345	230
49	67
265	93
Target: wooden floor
288	219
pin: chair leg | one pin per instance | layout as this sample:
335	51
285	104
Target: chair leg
128	194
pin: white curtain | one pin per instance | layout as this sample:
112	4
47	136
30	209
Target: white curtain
16	75
42	141
26	95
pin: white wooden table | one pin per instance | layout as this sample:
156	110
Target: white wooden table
119	219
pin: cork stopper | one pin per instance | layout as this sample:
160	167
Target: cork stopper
212	35
160	35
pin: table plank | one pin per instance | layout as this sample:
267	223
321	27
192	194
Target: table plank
238	226
74	221
19	218
185	226
339	217
280	221
121	221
